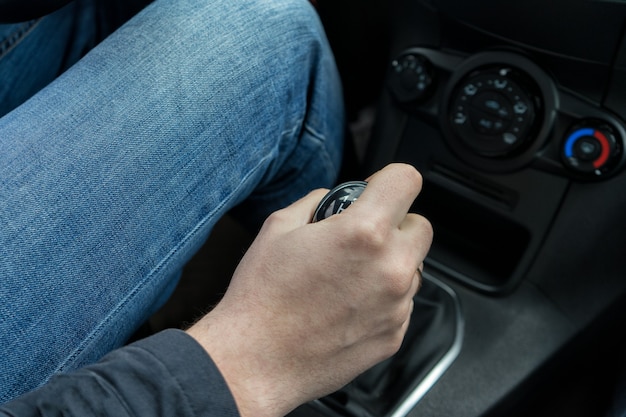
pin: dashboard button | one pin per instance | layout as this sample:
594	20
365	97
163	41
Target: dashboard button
588	149
411	77
493	103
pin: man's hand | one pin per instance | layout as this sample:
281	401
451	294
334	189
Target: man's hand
313	305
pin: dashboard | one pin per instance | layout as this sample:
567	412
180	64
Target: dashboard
515	114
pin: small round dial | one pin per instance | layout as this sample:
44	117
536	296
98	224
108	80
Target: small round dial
410	78
592	148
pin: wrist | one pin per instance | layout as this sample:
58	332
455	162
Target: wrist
252	384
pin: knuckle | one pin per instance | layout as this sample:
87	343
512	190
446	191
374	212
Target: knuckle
424	231
400	315
399	281
371	233
399	273
427	227
276	218
410	175
424	224
427	235
394	342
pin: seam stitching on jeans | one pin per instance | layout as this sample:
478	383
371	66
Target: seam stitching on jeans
321	138
17	36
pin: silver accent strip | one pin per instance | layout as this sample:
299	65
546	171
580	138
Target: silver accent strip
442	366
405	407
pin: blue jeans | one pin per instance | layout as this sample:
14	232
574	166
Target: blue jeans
112	176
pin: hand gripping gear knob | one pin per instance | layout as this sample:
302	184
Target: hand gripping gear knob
338	199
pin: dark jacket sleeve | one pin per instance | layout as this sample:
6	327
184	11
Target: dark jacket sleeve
168	374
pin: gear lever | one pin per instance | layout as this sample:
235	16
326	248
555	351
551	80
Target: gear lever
338	199
393	387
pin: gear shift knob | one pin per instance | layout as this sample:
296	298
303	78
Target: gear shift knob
338	199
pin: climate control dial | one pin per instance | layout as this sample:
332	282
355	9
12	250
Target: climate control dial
592	148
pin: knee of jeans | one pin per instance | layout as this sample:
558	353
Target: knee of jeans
296	34
301	13
297	17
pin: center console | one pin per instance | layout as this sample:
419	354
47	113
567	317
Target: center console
515	114
499	142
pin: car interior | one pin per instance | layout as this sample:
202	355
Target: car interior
515	114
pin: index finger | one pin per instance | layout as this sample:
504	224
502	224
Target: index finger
391	191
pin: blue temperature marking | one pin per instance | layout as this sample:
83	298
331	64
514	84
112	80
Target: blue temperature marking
569	144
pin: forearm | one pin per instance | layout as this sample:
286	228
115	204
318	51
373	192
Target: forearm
168	374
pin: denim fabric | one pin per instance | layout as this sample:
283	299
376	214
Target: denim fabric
113	175
34	53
